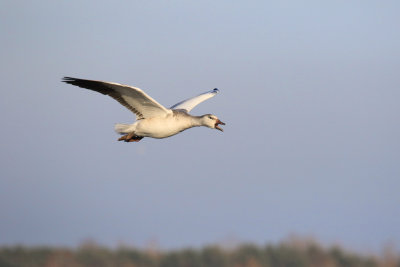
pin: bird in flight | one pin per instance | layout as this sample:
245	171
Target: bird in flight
152	119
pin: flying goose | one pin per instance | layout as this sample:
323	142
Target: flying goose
152	119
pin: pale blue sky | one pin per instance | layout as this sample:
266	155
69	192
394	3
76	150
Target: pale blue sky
309	92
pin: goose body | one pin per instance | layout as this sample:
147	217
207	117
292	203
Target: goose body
153	119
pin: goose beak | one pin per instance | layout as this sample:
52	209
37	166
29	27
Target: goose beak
217	127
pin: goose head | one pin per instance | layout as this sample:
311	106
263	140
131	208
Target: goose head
212	122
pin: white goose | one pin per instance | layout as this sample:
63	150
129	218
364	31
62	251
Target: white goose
153	119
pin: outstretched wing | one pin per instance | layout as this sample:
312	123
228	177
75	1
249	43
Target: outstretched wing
130	97
190	103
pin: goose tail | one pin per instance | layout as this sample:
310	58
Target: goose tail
123	128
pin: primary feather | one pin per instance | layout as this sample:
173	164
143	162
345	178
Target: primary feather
133	98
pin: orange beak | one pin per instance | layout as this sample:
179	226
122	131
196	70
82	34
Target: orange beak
217	127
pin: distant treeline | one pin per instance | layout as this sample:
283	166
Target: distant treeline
296	254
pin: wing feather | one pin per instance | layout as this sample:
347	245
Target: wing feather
133	98
190	103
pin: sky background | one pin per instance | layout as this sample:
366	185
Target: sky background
309	91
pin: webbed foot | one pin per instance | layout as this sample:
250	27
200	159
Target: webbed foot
131	137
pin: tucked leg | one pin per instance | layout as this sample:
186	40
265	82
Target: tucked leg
134	139
122	138
131	137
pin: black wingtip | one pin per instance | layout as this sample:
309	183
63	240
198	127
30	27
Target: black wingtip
97	86
215	90
67	79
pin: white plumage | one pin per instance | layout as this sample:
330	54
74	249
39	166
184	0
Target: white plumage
153	119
